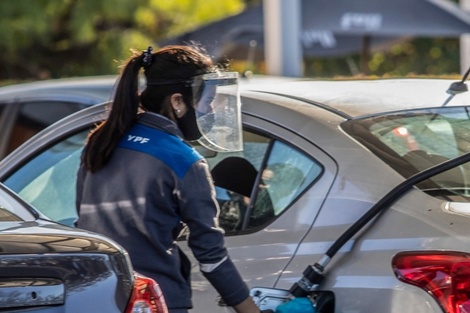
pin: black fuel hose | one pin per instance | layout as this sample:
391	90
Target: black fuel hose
313	274
392	196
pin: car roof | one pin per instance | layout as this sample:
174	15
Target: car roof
347	98
357	98
94	88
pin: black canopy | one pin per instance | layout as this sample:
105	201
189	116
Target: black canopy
421	18
235	36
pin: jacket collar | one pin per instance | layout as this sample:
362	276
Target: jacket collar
161	122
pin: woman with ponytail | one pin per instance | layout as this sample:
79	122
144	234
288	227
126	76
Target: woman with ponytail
140	181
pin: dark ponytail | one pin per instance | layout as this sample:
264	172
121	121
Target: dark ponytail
103	140
167	71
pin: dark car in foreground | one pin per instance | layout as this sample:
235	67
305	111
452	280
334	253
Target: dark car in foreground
318	156
27	108
51	268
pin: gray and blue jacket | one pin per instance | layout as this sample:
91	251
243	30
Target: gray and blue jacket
153	183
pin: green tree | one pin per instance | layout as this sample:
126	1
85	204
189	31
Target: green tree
419	56
58	38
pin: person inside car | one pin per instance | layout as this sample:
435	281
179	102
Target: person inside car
139	180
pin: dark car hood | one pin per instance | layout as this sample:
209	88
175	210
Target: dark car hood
45	237
44	263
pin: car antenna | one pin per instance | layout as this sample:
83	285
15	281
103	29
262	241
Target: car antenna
456	88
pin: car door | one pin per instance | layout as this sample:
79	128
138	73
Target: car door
43	172
294	176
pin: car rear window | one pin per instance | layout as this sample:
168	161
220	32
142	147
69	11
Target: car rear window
7	216
413	141
12	209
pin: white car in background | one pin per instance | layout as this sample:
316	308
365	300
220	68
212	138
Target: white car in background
330	180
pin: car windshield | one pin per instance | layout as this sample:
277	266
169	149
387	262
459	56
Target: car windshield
413	141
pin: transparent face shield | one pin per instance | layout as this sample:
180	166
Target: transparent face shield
218	111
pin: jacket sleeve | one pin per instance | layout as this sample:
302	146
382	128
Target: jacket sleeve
199	210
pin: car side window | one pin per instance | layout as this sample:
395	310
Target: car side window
48	181
253	186
257	185
288	172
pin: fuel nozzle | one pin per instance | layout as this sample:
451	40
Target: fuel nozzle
312	276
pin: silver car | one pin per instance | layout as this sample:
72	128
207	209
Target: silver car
331	181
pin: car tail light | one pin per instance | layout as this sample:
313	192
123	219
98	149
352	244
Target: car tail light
444	275
147	297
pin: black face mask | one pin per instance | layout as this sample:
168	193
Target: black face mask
188	126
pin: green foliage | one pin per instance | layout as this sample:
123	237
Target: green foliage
58	38
420	56
189	14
